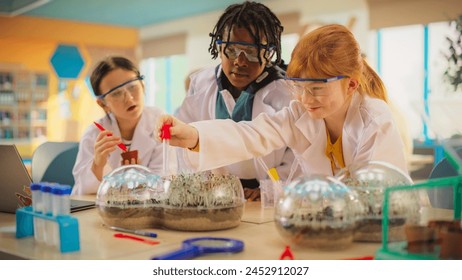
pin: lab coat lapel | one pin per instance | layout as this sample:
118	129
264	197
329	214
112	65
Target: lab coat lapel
315	131
144	133
227	97
114	158
259	104
229	101
352	129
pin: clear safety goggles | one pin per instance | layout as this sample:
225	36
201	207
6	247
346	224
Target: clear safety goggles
315	87
119	92
233	50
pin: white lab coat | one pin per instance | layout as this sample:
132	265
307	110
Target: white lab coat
369	133
200	104
149	150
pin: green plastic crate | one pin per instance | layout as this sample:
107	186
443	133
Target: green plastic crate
397	250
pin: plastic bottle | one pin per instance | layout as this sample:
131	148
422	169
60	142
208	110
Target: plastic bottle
47	210
37	206
61	206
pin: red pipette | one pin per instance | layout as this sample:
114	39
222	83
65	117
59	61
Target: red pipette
165	136
121	145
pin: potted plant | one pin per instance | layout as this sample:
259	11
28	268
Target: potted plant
453	73
444	108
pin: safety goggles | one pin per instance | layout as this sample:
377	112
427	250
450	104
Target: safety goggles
314	86
232	50
119	92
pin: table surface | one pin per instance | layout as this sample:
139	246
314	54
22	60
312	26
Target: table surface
257	229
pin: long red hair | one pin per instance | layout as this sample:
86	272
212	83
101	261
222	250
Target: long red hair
330	51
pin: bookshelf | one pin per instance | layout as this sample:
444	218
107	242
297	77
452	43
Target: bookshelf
23	106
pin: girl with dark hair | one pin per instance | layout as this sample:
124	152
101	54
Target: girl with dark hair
119	89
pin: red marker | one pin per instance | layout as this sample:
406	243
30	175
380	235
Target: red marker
121	145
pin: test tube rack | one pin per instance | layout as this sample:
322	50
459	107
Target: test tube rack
69	240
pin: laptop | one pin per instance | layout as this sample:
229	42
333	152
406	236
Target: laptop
15	182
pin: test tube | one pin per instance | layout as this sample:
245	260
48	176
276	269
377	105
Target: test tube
165	156
276	183
61	201
272	173
47	210
295	164
37	206
61	207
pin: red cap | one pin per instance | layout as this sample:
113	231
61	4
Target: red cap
166	131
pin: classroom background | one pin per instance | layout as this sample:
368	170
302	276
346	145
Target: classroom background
48	48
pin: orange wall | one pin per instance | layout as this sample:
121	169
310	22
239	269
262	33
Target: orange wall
29	43
65	31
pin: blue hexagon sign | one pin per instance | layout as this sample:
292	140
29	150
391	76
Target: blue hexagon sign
67	61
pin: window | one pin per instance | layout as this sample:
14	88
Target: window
411	63
164	81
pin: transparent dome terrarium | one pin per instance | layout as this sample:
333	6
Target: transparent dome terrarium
369	180
132	197
203	201
317	211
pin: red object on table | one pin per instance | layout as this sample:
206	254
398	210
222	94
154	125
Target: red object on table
287	254
362	258
122	235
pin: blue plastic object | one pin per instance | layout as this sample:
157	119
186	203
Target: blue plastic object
196	247
68	228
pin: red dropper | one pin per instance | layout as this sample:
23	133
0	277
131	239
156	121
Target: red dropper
165	135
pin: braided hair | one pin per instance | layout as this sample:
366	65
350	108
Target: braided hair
257	19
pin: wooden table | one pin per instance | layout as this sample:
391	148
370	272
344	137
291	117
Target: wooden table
257	230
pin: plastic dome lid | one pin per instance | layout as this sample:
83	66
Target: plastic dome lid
374	174
128	185
132	197
325	197
369	180
317	211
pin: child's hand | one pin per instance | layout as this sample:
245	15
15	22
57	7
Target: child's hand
182	135
131	161
105	144
252	194
129	157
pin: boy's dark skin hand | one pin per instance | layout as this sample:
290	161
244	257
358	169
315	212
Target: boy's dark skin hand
252	194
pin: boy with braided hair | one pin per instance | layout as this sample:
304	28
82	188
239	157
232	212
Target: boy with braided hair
246	83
